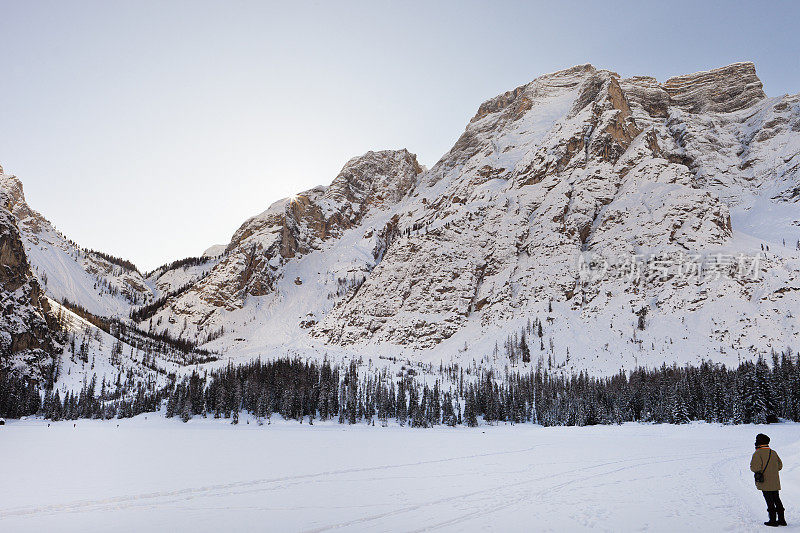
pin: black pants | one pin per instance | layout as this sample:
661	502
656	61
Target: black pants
773	501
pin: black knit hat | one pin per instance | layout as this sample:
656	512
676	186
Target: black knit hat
762	440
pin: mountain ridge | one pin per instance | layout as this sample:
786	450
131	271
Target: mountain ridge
574	168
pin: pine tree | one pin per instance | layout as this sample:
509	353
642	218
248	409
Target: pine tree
186	412
402	411
170	405
470	414
524	350
679	411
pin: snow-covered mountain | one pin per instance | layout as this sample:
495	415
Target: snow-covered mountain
583	164
612	221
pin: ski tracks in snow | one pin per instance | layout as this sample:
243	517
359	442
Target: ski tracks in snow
502	497
160	498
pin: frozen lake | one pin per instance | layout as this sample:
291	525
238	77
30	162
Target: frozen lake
163	475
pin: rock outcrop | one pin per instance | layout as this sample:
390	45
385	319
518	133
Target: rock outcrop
27	342
722	90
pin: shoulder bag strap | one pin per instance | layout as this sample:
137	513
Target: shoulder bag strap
768	458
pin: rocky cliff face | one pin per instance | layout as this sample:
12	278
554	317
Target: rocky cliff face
26	341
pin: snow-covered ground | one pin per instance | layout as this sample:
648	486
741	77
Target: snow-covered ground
153	474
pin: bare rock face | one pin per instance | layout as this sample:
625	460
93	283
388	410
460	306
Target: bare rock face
721	90
26	341
15	199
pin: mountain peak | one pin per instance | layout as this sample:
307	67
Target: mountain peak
13	199
518	100
386	175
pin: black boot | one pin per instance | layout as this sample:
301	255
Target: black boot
772	522
781	519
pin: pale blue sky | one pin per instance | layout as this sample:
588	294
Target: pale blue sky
151	130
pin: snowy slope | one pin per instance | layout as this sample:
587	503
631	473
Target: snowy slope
89	351
170	278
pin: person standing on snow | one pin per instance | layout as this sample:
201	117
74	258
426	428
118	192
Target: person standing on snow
766	464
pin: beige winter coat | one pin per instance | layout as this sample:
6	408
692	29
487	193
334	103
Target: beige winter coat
772	480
